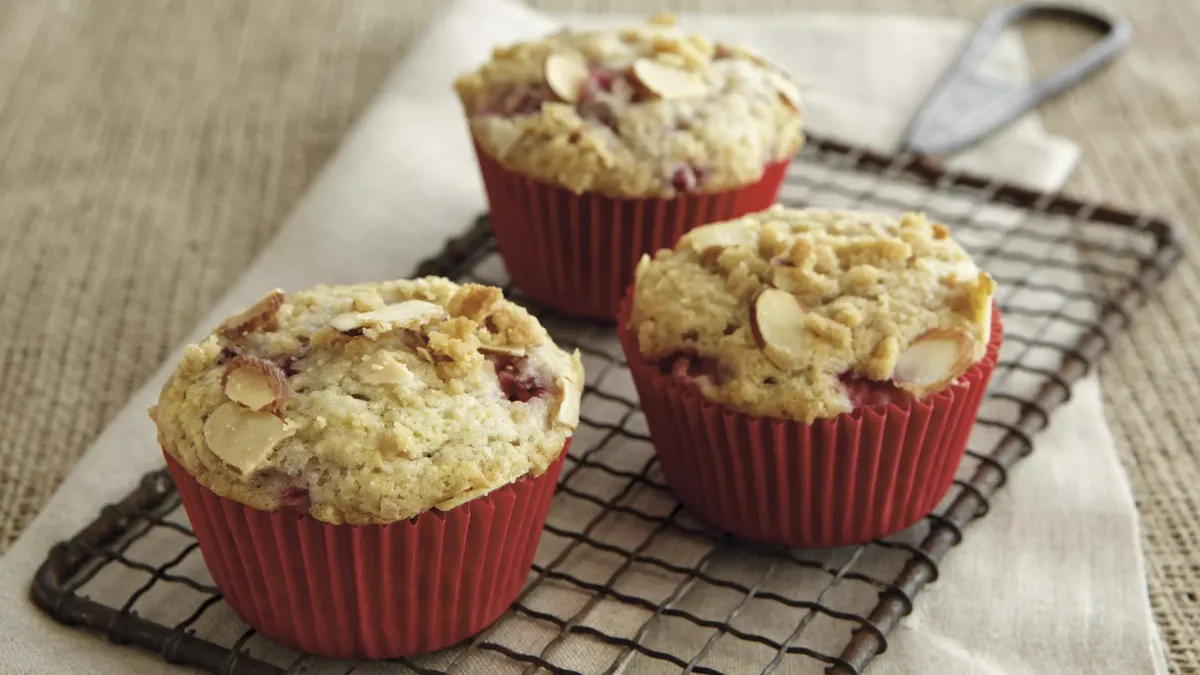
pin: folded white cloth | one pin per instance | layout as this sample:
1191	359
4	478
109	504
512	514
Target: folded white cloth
1051	581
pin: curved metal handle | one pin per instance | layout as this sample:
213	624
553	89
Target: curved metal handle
1116	29
963	107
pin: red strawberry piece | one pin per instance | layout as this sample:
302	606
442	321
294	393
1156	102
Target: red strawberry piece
515	385
295	497
864	392
687	178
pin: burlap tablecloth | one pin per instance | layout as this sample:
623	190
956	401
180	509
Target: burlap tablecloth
149	149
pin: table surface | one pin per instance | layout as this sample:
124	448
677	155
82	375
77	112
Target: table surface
149	150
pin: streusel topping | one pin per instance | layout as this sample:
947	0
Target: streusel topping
371	403
645	112
785	307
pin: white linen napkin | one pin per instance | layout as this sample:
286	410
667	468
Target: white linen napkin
1061	541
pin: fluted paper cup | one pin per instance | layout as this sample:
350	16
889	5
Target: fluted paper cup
370	591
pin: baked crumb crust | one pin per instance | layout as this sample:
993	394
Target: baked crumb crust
371	403
785	303
647	112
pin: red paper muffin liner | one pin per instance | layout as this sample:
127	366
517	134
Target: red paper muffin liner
576	252
840	481
374	591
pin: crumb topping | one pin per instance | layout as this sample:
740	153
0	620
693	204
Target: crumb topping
371	403
786	307
645	112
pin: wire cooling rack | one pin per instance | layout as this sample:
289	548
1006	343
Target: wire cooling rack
625	580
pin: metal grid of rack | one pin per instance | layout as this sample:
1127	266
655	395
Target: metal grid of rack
625	580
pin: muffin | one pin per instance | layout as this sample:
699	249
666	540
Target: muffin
368	468
810	377
597	147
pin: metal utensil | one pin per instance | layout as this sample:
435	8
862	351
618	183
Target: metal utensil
963	107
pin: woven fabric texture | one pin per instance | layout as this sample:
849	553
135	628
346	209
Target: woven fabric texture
148	150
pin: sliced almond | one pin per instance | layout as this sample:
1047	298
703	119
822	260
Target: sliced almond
723	235
258	384
407	314
565	75
734	51
383	368
788	91
462	498
568	405
642	265
667	81
242	438
933	360
506	350
777	321
259	316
